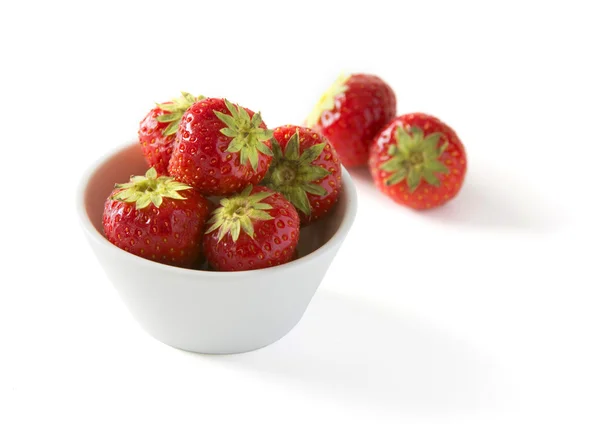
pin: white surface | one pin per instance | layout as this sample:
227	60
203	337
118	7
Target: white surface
484	311
210	312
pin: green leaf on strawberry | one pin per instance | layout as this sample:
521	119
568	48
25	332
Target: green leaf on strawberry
327	100
177	108
248	138
149	188
294	175
414	158
236	213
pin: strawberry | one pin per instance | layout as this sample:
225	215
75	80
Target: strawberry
157	218
306	170
157	130
220	148
418	161
257	228
351	113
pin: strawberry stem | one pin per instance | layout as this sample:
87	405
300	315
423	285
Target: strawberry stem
414	158
327	100
248	138
149	188
238	212
176	109
294	175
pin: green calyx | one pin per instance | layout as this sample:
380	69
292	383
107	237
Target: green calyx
248	138
176	109
327	100
149	189
414	158
293	174
236	213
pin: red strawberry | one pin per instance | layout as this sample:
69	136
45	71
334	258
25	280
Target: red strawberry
156	218
351	113
221	148
257	228
418	161
306	170
157	130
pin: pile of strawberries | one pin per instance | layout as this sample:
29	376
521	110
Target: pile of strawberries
225	193
268	183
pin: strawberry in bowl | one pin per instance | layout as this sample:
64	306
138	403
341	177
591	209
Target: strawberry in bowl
157	218
306	169
257	228
157	130
220	148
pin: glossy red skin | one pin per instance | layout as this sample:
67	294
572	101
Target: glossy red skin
320	205
426	196
274	241
359	114
156	148
170	234
200	157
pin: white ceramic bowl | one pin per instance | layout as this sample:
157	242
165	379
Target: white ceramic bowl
204	311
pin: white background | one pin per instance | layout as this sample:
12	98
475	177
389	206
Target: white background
484	311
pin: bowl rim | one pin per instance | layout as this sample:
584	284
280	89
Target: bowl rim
95	235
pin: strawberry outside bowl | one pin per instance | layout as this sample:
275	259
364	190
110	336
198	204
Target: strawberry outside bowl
206	311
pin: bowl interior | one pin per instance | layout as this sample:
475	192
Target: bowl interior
128	161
